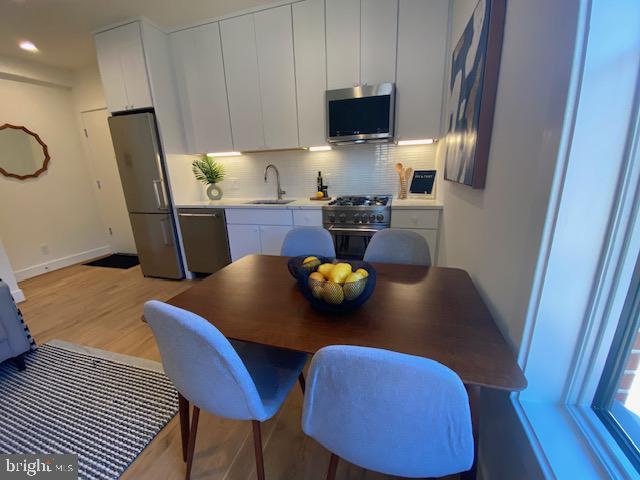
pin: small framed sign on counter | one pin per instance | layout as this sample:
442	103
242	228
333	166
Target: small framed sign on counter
423	184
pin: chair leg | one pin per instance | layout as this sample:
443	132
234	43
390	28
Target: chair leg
19	362
183	409
257	445
333	467
302	382
192	440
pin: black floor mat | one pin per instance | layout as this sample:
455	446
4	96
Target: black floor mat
116	260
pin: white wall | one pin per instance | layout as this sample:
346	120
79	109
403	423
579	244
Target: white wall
346	170
57	209
495	233
6	274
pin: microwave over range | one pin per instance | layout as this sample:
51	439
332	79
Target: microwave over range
361	114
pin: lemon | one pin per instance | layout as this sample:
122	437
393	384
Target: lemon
316	277
354	286
310	262
362	272
325	269
340	272
332	293
319	195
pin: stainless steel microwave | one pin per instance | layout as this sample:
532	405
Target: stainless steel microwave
361	114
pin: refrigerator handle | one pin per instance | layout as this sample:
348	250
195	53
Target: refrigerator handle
163	229
161	199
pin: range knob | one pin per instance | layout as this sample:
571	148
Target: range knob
356	217
380	217
372	218
332	218
342	217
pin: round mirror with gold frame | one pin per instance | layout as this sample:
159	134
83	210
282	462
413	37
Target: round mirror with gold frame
23	154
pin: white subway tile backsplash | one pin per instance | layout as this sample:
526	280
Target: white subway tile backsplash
346	170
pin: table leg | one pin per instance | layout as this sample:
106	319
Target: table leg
474	403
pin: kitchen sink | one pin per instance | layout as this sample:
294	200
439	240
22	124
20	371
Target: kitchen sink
269	202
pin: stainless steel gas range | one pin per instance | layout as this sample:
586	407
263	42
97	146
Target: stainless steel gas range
353	220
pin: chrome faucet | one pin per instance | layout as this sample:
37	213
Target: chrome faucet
266	170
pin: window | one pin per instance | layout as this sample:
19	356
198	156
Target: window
617	399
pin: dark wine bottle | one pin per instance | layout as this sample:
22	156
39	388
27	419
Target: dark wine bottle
320	183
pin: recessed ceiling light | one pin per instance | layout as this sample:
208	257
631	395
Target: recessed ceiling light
320	148
422	141
28	46
223	154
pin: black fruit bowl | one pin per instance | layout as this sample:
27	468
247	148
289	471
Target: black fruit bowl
352	295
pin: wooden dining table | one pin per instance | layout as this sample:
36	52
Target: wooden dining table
431	312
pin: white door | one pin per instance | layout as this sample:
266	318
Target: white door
379	26
104	169
272	238
311	73
197	56
243	84
274	43
243	240
343	43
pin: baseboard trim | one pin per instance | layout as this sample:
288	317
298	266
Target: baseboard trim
61	263
18	295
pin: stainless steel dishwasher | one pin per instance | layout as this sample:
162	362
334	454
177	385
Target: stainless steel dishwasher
204	234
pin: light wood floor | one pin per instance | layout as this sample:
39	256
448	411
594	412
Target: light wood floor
102	308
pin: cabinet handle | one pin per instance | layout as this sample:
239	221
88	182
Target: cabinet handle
210	215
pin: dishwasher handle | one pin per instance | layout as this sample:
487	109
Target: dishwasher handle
202	215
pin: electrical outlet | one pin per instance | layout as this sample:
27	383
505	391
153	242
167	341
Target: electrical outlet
44	249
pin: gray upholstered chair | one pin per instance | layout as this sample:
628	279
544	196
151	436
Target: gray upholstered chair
394	245
308	241
14	338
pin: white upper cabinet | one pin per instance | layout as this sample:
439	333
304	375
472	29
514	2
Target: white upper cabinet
379	33
122	68
422	45
311	74
274	43
243	85
199	71
343	43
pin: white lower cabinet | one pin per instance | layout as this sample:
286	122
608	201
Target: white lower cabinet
425	222
243	240
272	237
307	218
259	230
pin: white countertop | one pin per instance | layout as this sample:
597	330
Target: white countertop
416	204
305	203
244	203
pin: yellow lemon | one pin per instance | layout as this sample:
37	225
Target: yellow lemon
319	195
325	269
317	290
332	293
340	272
362	272
354	286
310	262
316	277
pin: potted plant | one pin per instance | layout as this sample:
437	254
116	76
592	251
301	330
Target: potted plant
209	172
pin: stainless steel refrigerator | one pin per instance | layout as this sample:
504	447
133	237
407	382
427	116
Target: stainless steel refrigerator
138	153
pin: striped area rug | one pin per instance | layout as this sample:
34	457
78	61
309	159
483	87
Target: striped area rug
78	400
